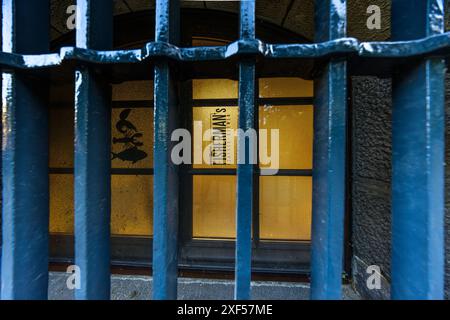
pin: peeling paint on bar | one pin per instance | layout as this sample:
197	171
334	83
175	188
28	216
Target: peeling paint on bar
165	180
92	187
245	172
25	208
418	145
330	120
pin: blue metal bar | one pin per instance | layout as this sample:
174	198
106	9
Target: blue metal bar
165	179
418	159
433	45
92	155
25	156
245	171
330	108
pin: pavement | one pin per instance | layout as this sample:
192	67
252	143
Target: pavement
124	287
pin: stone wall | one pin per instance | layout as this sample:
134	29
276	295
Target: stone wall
371	178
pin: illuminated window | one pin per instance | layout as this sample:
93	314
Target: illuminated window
207	196
284	199
131	163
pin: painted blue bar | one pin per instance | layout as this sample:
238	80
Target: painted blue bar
92	156
433	45
25	156
245	170
165	179
418	159
330	113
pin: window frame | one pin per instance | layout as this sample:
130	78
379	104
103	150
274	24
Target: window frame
195	254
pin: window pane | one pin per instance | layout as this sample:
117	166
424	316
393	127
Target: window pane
214	89
132	148
285	88
131	207
222	146
61	203
61	138
295	125
285	208
133	91
214	204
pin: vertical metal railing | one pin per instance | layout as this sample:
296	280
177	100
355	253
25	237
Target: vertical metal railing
418	158
245	169
92	154
330	113
25	156
165	230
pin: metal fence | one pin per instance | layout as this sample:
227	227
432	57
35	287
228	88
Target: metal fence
415	58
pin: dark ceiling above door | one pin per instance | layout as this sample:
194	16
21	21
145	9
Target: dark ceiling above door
293	15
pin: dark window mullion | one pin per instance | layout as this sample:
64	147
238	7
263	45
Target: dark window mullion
256	175
134	104
212	172
281	101
229	172
114	171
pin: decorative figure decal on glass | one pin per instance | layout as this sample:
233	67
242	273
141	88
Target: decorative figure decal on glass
130	139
